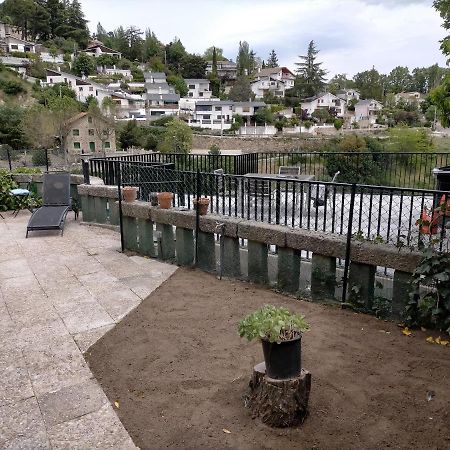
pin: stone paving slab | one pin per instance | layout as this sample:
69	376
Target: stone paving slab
58	296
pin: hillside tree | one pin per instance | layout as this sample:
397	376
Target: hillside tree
272	60
310	74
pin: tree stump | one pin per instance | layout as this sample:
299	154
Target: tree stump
279	403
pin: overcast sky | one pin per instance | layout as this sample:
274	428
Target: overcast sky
352	35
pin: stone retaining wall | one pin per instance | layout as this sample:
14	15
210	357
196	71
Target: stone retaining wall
169	236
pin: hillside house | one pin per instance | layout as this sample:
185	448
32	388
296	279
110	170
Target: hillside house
198	88
323	101
213	114
97	49
247	110
348	95
18	64
13	44
84	136
226	70
155	77
124	73
367	110
409	97
277	73
83	87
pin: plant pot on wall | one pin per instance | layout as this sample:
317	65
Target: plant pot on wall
129	193
165	200
203	204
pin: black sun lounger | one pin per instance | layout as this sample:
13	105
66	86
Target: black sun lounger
56	203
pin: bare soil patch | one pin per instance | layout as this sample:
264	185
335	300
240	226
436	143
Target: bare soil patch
178	370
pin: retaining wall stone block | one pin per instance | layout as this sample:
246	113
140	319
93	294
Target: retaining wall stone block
262	232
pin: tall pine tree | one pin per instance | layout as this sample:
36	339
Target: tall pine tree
310	75
273	60
214	76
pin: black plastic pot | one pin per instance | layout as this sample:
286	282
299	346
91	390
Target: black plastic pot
283	360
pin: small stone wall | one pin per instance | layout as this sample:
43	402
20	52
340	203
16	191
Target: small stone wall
169	236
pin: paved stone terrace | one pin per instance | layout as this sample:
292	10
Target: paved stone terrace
59	295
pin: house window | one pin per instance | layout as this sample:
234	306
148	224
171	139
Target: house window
91	88
76	145
14	47
192	86
218	108
51	80
92	146
75	132
207	116
89	119
200	94
190	94
107	144
246	109
91	132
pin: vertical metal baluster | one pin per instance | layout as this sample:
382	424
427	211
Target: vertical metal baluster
390	215
342	208
256	198
361	199
285	202
294	203
301	202
270	201
379	213
369	228
333	217
400	216
441	243
410	224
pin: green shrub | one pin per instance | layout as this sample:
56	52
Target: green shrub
11	87
272	323
214	150
7	201
39	158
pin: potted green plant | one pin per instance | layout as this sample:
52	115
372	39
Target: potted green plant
280	332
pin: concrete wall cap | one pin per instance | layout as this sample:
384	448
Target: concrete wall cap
138	209
262	232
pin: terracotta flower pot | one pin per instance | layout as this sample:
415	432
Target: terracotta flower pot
165	200
203	204
129	193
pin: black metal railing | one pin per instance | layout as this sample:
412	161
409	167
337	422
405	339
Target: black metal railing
403	170
402	217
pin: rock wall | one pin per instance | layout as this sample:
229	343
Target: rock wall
256	144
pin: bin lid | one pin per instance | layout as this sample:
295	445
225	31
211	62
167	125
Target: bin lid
441	170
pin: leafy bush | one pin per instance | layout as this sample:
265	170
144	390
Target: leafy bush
272	323
177	138
430	307
338	124
7	183
11	87
358	168
214	150
162	121
27	170
39	158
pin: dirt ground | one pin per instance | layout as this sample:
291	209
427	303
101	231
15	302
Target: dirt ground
178	370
